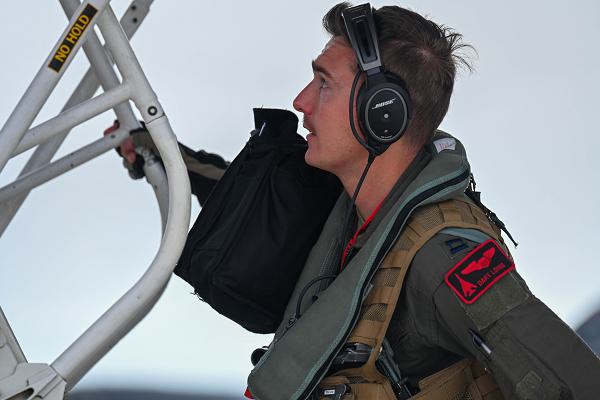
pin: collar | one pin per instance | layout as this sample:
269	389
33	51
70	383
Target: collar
364	228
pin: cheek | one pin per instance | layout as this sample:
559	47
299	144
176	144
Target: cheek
332	108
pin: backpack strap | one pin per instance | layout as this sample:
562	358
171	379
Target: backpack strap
378	306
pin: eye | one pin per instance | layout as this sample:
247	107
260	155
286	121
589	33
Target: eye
323	84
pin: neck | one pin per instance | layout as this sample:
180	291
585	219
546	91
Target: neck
381	178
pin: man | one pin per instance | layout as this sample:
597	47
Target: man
514	345
442	316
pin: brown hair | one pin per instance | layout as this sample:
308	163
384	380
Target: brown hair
424	54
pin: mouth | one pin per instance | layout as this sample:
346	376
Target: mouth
310	130
308	127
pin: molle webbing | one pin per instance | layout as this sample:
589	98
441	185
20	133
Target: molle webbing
378	307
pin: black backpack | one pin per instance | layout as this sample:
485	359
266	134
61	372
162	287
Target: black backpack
248	246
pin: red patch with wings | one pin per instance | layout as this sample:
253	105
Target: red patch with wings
478	271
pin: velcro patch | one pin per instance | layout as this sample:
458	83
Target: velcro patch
456	245
478	271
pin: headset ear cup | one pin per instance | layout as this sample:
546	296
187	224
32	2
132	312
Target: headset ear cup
401	87
384	109
361	100
361	136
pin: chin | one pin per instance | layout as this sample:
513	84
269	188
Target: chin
310	158
313	160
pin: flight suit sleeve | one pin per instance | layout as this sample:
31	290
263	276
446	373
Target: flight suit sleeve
530	351
204	170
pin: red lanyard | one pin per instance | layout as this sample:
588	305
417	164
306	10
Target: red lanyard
360	230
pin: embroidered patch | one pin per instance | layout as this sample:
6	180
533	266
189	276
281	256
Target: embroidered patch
478	271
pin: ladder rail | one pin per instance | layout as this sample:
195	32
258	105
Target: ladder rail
95	342
44	83
51	381
74	116
44	152
56	168
7	338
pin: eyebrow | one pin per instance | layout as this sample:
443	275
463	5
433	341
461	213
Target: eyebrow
321	70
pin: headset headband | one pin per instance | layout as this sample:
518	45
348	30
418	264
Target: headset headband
363	37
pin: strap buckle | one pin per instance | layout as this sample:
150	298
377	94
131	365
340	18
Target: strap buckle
331	393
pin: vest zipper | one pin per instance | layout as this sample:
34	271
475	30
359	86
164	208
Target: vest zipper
385	248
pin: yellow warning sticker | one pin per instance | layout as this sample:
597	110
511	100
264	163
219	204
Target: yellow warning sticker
72	37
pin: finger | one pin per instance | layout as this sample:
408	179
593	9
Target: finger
128	150
131	156
127	145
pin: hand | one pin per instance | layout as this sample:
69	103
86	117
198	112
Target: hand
127	148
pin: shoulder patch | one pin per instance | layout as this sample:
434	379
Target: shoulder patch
455	245
478	271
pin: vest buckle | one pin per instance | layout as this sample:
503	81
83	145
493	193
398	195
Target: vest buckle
331	393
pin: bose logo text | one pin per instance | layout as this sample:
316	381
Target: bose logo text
384	103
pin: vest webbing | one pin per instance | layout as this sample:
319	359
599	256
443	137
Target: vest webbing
464	378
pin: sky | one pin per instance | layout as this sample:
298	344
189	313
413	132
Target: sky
527	116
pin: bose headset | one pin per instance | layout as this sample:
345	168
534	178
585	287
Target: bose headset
383	103
383	106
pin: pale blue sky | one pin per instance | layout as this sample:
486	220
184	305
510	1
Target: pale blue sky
527	117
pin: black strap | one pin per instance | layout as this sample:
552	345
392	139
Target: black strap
476	197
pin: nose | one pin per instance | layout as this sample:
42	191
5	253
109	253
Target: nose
302	102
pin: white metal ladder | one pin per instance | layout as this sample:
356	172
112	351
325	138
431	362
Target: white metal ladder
20	380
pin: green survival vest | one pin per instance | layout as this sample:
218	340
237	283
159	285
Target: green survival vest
303	349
